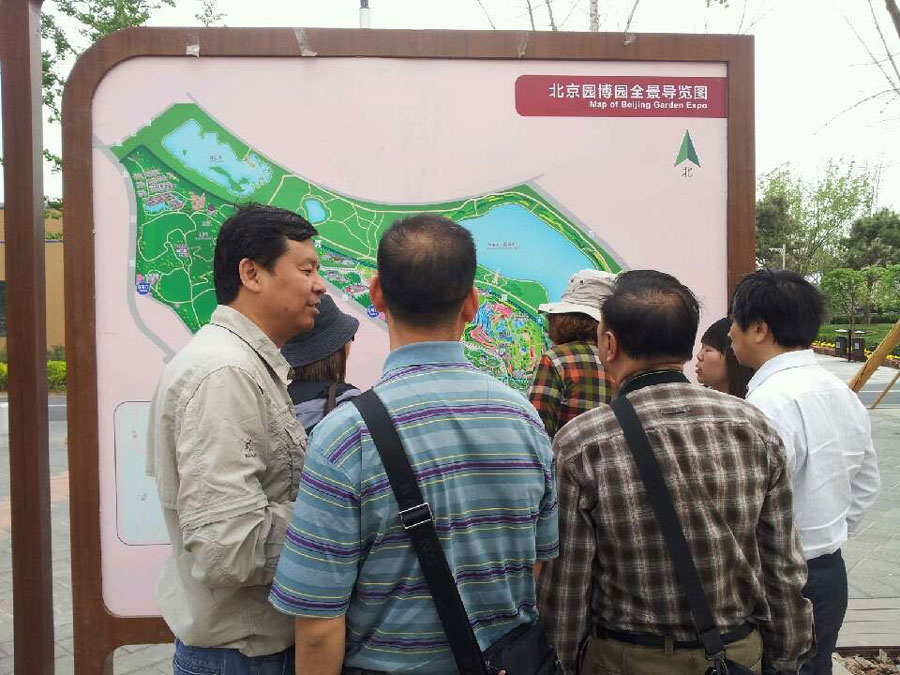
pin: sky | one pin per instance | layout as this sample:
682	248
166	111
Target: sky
811	69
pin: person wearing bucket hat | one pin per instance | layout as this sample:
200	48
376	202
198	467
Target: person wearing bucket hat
319	359
569	378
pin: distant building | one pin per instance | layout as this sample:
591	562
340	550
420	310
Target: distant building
53	265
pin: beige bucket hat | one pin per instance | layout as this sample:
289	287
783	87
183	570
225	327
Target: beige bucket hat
585	294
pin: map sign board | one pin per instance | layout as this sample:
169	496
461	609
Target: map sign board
610	159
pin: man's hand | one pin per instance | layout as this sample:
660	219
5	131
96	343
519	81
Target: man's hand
320	645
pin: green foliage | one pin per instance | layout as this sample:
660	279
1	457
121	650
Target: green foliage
53	236
56	375
56	353
887	293
874	240
209	14
844	290
811	218
92	21
870	278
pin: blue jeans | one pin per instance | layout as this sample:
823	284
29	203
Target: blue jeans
826	587
214	661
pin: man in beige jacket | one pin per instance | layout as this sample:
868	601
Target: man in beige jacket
226	449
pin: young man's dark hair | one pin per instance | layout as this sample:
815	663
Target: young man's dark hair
426	265
652	314
257	232
792	307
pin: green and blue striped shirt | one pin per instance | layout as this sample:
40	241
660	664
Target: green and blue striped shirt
484	464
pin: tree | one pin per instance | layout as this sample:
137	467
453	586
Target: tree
870	277
812	218
68	27
843	288
209	14
874	240
887	293
776	227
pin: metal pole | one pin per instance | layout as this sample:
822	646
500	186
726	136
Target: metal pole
32	570
364	16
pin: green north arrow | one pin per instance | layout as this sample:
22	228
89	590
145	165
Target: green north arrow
687	151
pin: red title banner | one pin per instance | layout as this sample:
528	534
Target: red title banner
577	96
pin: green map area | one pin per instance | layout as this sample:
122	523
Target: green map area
188	172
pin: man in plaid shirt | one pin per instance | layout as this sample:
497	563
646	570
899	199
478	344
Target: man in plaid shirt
569	378
612	597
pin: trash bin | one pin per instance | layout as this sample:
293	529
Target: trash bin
841	342
858	346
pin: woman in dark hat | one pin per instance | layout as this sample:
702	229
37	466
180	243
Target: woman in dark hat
717	366
319	359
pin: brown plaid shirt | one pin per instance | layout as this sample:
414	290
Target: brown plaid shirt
726	469
568	381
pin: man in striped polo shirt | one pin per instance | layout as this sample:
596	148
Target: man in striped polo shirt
348	572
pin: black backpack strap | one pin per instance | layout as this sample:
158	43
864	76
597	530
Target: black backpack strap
661	500
418	521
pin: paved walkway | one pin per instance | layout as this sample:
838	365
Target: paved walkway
873	555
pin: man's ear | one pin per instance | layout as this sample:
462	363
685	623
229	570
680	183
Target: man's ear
249	272
470	305
376	295
607	345
760	332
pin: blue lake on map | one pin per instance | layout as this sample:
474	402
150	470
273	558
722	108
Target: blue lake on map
315	212
216	161
511	240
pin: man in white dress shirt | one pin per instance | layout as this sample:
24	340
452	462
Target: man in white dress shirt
826	432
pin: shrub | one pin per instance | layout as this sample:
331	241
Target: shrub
56	353
4	376
56	375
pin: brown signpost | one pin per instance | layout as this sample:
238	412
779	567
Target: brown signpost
98	632
26	343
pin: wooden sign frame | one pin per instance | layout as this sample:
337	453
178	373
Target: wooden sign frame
98	632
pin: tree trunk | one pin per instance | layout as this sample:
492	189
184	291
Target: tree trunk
894	11
550	12
530	14
595	16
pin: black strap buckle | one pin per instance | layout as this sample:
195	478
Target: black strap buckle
415	516
719	665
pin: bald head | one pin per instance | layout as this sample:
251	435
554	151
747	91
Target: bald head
652	315
426	267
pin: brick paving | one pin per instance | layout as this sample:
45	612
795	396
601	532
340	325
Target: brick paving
873	555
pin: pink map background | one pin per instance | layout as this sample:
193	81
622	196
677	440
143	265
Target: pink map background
400	131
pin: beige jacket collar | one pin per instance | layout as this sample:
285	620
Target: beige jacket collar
232	320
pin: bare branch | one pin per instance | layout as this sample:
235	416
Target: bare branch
569	15
895	86
594	16
488	16
631	16
894	11
843	112
550	12
887	49
743	17
530	14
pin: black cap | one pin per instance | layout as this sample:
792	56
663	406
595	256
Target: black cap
331	331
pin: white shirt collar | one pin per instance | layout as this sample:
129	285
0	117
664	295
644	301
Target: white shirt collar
776	364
